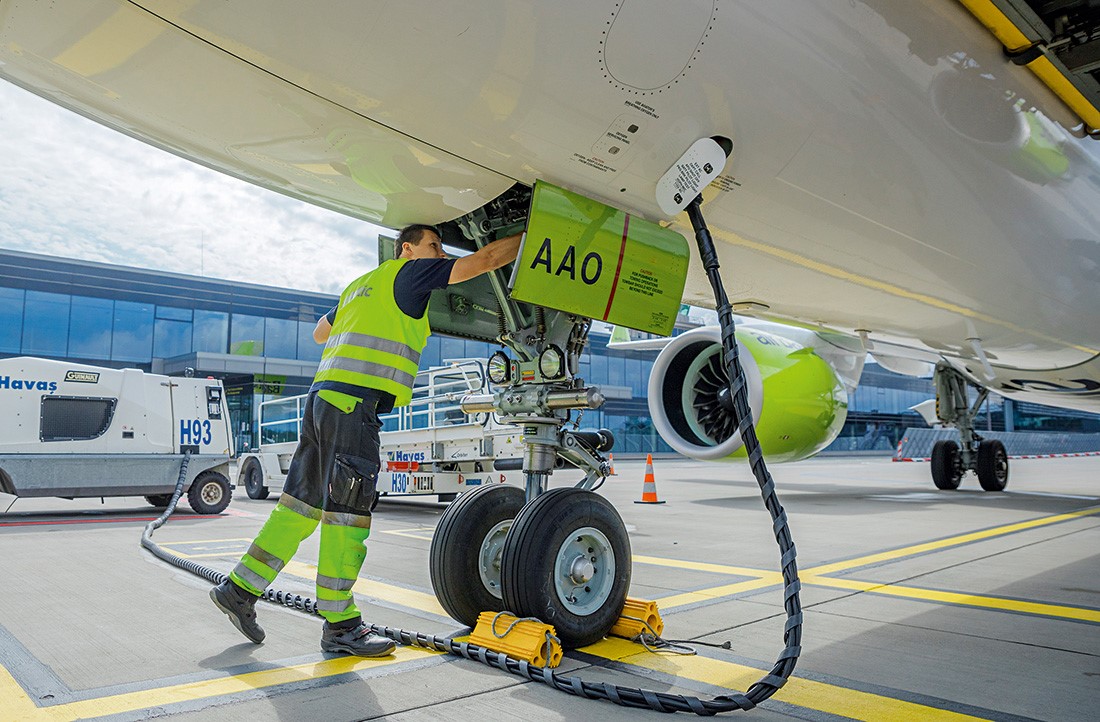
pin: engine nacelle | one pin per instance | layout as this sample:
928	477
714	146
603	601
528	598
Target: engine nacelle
798	402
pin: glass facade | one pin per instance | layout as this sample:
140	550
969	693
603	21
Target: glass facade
11	320
123	317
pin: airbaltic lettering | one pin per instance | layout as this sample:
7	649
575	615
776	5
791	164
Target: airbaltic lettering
591	266
769	340
7	382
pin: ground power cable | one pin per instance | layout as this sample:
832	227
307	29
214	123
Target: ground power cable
761	690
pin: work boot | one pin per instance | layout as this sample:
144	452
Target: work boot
240	607
357	640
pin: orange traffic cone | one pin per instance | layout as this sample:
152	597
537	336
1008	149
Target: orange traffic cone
649	488
611	460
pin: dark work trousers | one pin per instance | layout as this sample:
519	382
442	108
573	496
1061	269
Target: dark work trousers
331	481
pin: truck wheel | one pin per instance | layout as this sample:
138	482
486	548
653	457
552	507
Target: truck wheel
466	548
254	481
209	493
566	561
161	501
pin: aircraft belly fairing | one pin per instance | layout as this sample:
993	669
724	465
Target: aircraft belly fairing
892	173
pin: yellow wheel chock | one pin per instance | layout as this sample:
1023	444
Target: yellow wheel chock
639	616
527	638
538	644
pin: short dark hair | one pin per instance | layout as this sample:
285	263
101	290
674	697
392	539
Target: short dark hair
412	234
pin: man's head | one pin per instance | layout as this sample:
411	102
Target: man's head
418	241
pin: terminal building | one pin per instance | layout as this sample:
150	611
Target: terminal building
258	341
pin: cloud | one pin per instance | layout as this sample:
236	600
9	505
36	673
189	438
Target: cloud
70	187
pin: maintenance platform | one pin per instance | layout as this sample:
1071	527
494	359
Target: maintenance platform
919	604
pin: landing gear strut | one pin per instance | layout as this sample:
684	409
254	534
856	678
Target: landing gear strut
951	460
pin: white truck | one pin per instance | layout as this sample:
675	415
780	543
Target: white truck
70	430
427	447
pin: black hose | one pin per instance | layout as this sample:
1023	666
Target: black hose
761	690
767	685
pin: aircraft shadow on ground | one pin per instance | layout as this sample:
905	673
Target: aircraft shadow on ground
838	503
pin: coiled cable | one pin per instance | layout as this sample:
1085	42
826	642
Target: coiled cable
761	690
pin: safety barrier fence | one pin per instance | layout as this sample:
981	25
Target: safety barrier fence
916	444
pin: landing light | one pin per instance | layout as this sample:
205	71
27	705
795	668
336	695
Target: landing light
499	368
551	363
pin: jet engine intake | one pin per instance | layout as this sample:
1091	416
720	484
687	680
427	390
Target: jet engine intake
798	402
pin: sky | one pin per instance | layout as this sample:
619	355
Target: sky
72	188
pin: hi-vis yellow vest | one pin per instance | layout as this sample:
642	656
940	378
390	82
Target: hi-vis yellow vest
373	344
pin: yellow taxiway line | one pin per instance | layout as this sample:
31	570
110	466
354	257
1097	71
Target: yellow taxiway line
832	699
949	542
372	589
799	692
712	593
22	708
703	566
1082	614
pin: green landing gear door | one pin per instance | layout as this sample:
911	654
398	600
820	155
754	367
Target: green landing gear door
583	257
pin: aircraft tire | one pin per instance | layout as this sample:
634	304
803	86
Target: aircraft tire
254	481
209	493
947	469
567	562
464	560
992	465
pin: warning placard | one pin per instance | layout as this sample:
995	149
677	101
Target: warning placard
582	256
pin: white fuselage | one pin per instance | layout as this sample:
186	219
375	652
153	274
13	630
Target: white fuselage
891	171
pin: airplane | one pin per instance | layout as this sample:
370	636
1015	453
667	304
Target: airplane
915	180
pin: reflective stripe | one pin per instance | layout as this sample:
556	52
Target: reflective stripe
334	584
378	344
342	363
326	605
341	518
299	507
250	576
266	558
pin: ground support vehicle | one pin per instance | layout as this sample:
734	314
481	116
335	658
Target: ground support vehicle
428	447
71	430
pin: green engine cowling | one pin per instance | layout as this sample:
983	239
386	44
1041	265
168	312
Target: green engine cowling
798	402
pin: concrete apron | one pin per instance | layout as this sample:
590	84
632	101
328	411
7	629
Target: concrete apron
919	603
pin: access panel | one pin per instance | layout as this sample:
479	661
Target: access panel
587	258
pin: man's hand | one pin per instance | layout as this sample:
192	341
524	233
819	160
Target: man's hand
492	256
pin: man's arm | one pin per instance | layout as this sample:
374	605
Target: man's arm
322	330
492	256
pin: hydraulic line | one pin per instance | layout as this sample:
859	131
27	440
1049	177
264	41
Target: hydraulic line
761	690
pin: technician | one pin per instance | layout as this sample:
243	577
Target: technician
373	339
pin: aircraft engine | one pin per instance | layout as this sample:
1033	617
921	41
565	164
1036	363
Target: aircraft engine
798	402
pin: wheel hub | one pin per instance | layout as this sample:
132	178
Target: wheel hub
584	571
488	559
211	494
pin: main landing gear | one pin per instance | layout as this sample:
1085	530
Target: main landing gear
950	460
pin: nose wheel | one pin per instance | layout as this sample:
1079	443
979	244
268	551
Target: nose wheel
566	561
465	557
